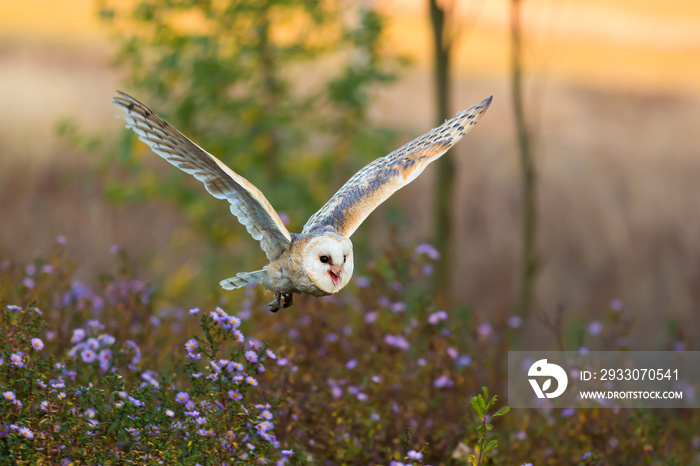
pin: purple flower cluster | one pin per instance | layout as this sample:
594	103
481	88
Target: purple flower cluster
227	321
397	341
95	347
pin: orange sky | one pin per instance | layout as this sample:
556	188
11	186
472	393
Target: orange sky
641	44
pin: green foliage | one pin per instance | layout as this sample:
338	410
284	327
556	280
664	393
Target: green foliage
481	408
278	90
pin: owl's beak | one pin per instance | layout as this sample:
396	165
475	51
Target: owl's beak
335	273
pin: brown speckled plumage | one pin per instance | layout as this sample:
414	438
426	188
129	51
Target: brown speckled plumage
319	261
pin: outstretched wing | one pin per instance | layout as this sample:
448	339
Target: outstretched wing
247	202
376	182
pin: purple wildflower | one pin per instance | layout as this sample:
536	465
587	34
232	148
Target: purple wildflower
464	361
362	282
515	321
443	381
235	366
37	344
88	355
484	329
191	345
264	426
251	356
398	307
429	250
396	341
78	334
436	317
16	359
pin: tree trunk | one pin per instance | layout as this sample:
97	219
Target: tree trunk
445	181
529	174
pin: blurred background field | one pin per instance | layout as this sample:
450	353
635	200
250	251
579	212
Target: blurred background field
613	94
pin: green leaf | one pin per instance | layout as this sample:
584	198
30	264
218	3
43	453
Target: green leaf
491	402
490	446
477	405
502	411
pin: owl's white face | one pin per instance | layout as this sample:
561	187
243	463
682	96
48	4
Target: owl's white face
328	262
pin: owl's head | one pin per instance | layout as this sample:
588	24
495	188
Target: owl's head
328	262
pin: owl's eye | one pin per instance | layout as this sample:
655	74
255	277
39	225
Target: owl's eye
324	259
345	259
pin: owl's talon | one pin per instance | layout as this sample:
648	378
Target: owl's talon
287	300
275	303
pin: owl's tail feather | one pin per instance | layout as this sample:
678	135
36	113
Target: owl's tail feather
242	279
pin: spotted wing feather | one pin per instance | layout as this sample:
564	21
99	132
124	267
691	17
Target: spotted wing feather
248	204
376	182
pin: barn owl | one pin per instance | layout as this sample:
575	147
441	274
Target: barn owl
319	260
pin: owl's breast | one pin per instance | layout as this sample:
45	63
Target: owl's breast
287	275
298	275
